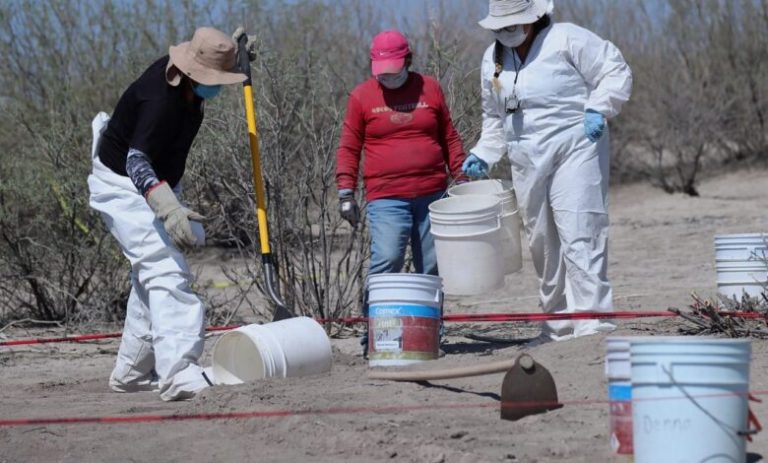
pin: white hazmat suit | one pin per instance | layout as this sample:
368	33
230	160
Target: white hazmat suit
163	334
560	177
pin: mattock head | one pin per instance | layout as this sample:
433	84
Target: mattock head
528	389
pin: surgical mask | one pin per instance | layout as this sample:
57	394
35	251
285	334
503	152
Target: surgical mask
512	36
393	81
206	92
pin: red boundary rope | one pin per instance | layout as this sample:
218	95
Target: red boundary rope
450	318
124	419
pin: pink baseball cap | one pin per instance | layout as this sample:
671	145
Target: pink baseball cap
388	52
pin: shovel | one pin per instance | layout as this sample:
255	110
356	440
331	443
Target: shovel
281	311
528	388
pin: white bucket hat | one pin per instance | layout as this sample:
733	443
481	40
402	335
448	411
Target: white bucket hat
505	13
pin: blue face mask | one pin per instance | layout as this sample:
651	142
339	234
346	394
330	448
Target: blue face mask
206	92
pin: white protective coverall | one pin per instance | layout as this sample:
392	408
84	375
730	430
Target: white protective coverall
163	334
560	177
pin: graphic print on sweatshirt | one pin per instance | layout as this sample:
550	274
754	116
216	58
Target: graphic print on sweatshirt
402	113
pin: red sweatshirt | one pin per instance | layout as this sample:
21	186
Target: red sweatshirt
408	138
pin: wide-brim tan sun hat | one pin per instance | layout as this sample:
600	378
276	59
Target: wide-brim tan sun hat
505	13
210	58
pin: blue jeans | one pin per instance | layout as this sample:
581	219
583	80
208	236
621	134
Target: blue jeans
394	222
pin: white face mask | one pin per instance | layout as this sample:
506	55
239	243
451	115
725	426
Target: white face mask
393	81
512	36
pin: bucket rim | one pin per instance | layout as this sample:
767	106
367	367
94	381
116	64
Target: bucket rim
221	347
387	277
483	203
760	235
687	340
502	187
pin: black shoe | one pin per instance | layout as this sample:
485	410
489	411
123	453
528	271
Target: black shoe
364	343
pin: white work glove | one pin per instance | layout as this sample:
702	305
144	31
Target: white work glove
250	44
174	216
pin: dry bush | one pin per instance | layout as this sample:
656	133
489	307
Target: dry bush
706	317
63	62
700	96
700	101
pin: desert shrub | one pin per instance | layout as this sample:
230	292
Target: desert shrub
700	102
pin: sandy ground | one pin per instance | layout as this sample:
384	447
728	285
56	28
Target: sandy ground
661	250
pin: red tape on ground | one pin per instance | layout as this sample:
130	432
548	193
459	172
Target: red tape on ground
126	419
451	318
87	337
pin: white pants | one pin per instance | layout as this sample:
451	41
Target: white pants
563	201
163	333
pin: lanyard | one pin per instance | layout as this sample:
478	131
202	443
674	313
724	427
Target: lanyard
512	104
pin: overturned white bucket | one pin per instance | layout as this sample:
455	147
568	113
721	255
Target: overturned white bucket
287	348
689	399
404	313
618	371
741	262
468	243
510	219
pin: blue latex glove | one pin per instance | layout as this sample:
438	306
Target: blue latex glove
475	167
594	125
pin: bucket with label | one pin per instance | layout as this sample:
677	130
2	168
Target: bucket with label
404	314
293	347
618	373
689	399
741	262
510	217
468	243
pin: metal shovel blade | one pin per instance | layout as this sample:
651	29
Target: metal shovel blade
528	389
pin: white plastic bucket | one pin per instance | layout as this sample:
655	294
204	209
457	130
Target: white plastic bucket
741	247
468	243
510	218
618	372
741	262
689	399
404	313
736	278
287	348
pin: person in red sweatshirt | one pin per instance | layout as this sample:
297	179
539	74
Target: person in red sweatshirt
400	120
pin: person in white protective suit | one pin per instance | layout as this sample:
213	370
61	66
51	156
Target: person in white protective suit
139	157
547	90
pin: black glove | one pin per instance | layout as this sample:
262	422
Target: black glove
348	208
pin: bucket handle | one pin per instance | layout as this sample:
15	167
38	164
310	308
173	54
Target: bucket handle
753	424
752	418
